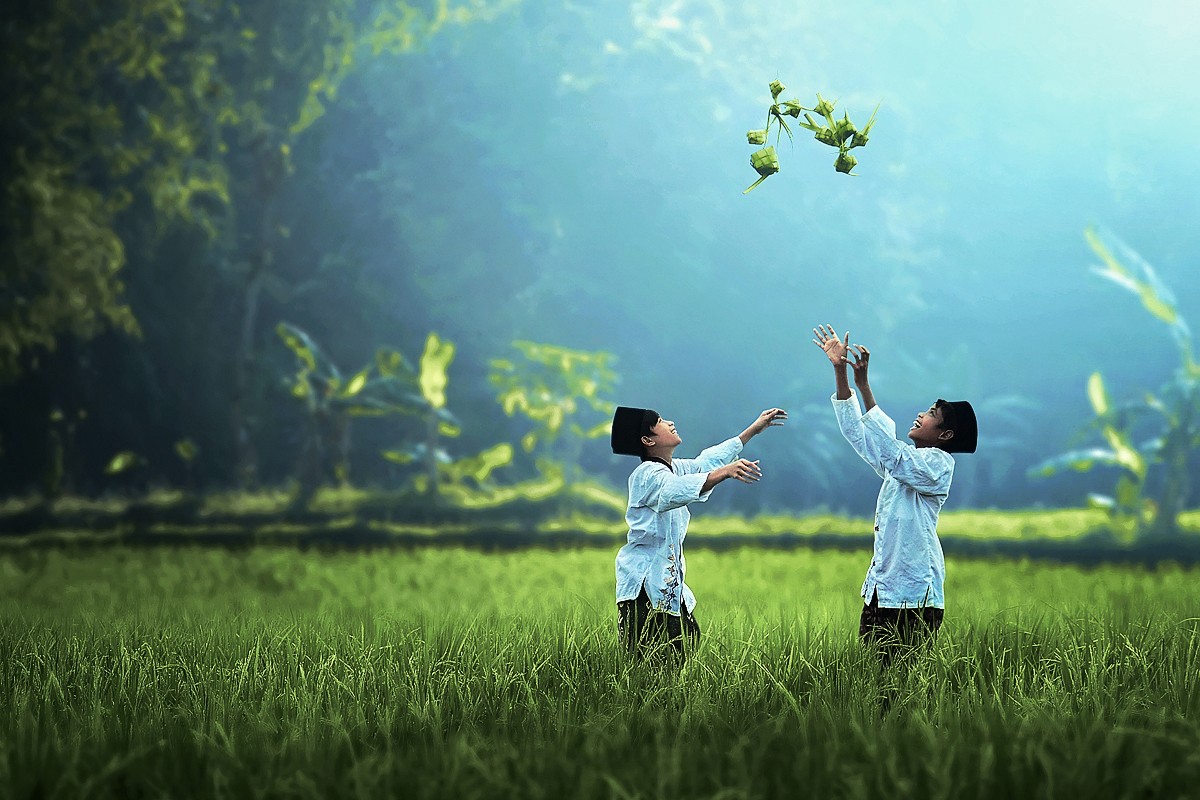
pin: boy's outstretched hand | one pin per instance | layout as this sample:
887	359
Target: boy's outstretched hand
743	470
771	418
833	347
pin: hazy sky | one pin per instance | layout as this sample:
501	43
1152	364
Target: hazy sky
596	191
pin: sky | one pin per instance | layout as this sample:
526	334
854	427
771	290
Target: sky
581	183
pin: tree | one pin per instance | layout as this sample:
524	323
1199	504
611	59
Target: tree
386	386
125	121
563	392
1174	413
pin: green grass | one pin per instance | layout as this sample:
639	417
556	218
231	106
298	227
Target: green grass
447	673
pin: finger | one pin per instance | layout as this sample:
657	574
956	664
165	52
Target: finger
847	342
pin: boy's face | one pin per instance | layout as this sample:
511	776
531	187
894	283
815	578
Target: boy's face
662	434
926	430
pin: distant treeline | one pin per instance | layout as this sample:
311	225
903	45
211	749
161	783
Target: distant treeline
341	520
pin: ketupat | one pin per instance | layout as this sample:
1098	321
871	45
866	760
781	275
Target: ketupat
840	133
766	162
860	138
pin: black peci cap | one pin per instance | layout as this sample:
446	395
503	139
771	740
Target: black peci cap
628	427
961	420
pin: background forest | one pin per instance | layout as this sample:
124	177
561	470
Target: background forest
313	316
398	245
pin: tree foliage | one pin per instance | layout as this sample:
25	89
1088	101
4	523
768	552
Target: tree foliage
1173	414
150	141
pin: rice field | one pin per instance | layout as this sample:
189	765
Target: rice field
274	672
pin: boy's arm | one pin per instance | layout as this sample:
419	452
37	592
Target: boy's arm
835	350
725	452
926	470
873	435
845	405
861	357
743	470
660	489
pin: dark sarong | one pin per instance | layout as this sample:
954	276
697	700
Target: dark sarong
645	630
896	632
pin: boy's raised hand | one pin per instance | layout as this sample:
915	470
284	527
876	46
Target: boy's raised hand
861	358
833	347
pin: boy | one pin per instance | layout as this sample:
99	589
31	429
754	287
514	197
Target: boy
654	605
903	589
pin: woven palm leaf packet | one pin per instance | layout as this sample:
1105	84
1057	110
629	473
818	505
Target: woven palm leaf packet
829	130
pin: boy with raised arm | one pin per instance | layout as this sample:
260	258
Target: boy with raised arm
654	606
902	594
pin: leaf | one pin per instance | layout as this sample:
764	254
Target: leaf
399	456
390	363
601	430
1155	296
1126	455
298	343
480	466
356	383
1075	460
434	361
122	462
1097	395
185	449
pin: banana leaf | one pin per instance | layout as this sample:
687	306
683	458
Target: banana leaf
1156	297
1075	461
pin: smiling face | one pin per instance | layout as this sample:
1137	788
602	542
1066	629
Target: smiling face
927	430
662	436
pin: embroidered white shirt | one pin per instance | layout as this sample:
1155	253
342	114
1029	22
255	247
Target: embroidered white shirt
907	566
658	519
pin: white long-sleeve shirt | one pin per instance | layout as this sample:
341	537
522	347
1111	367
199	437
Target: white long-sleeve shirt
907	566
658	518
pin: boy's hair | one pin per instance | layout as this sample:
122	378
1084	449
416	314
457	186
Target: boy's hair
958	416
